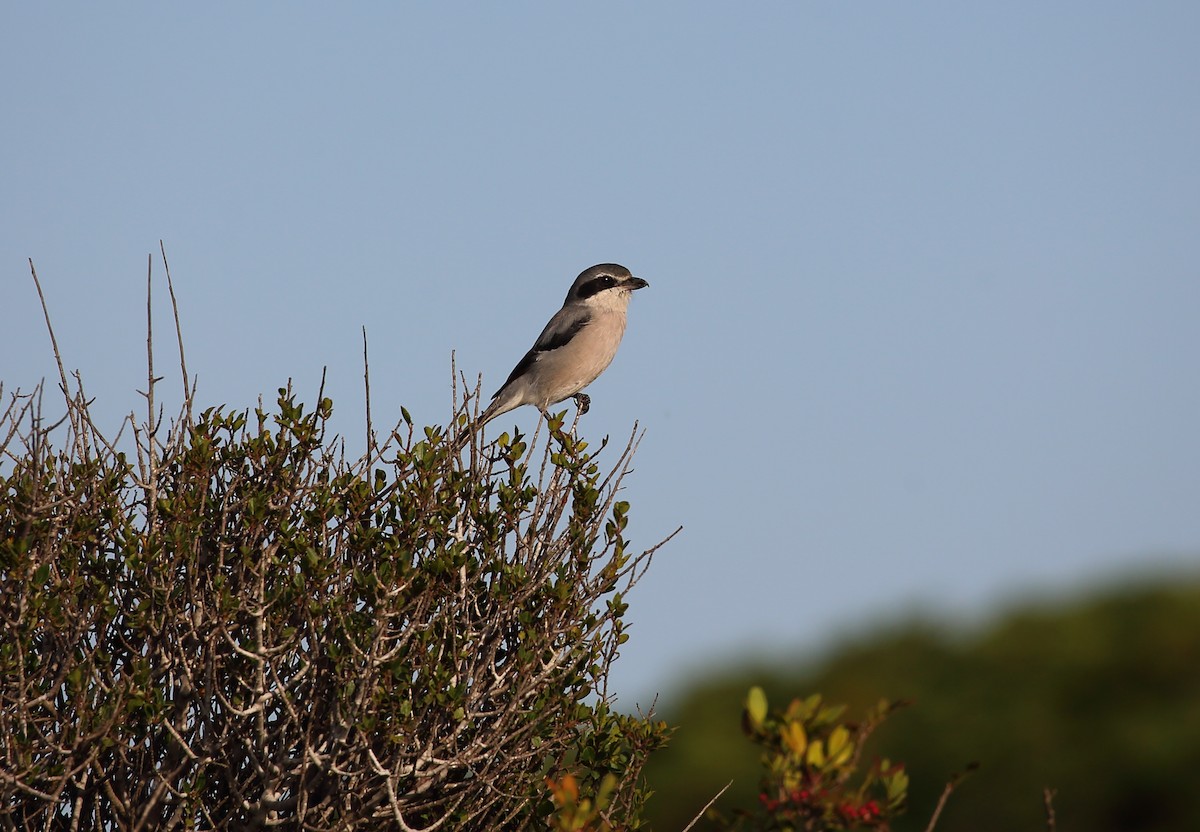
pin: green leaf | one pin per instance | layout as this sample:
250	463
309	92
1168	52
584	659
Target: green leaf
840	747
815	756
756	707
794	737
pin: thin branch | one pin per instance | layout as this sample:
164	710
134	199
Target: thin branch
151	453
150	340
62	373
1048	801
707	805
941	804
951	785
188	393
367	385
454	387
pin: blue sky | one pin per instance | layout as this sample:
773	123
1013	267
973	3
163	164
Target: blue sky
925	278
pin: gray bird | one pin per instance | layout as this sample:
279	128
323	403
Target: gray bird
576	346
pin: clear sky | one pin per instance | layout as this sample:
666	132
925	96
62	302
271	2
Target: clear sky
922	329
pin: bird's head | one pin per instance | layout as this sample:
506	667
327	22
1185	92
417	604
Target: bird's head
606	284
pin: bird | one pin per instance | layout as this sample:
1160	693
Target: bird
576	346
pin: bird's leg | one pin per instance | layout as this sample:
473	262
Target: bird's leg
584	401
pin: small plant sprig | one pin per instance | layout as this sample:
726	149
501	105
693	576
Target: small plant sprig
810	759
575	812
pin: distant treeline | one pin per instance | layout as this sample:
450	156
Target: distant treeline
1098	699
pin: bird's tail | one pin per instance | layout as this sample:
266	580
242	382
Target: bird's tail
494	409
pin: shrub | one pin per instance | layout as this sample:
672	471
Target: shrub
238	628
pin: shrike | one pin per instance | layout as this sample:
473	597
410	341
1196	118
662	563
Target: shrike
576	346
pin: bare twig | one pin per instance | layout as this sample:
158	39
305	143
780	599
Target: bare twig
62	373
1048	801
951	785
454	386
151	452
715	797
941	804
188	393
367	386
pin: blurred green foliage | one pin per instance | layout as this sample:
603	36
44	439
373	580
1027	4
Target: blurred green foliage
812	779
1097	698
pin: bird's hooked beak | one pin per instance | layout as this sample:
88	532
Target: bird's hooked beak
635	283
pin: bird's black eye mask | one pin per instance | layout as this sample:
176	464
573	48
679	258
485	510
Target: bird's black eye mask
599	284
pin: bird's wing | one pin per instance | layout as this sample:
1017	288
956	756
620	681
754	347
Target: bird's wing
564	326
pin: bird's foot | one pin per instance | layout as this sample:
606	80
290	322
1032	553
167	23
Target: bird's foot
584	401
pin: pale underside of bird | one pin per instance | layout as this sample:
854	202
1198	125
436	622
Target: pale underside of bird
576	346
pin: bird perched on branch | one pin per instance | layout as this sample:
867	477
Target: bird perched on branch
576	346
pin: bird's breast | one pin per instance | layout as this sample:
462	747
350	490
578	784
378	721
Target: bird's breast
567	370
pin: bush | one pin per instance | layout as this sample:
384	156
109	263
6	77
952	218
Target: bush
240	629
